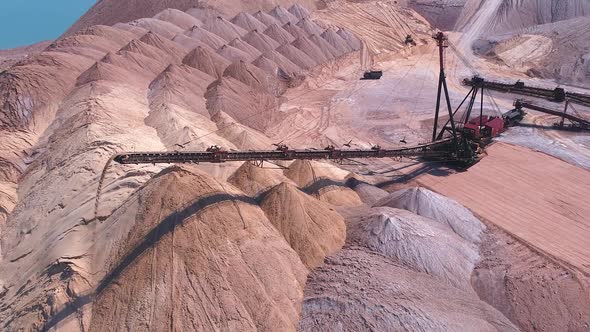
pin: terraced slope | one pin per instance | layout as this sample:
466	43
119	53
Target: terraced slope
109	12
173	81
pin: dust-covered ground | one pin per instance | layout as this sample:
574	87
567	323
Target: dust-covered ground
87	244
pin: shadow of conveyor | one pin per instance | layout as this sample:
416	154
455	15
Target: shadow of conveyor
322	183
434	169
544	127
167	225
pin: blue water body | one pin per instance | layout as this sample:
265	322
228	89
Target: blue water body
25	22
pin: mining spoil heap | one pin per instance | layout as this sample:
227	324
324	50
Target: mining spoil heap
311	227
88	244
279	34
231	260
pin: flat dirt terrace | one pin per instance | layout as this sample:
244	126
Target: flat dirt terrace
538	198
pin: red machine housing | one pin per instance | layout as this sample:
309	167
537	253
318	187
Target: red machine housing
491	126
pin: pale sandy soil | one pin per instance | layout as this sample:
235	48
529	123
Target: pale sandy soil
131	87
181	248
539	199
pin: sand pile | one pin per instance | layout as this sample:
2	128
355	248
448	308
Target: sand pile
256	181
183	86
251	107
349	38
8	186
260	41
205	14
548	51
204	36
255	78
294	30
233	54
297	56
312	50
299	11
224	29
188	42
305	172
51	69
95	37
48	69
420	243
429	204
310	27
523	52
382	25
356	290
53	262
89	46
149	51
183	79
279	34
174	51
266	19
310	227
166	29
288	78
243	137
285	64
206	61
114	35
102	71
245	47
177	127
328	49
270	67
282	15
62	263
336	41
112	11
240	262
136	30
513	16
22	119
215	265
368	193
324	180
178	18
248	22
136	63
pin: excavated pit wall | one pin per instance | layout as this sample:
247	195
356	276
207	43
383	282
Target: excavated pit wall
510	15
443	15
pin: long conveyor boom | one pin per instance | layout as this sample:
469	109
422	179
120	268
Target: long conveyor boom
575	119
439	149
558	94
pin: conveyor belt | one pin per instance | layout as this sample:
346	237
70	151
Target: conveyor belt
577	121
442	149
556	95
